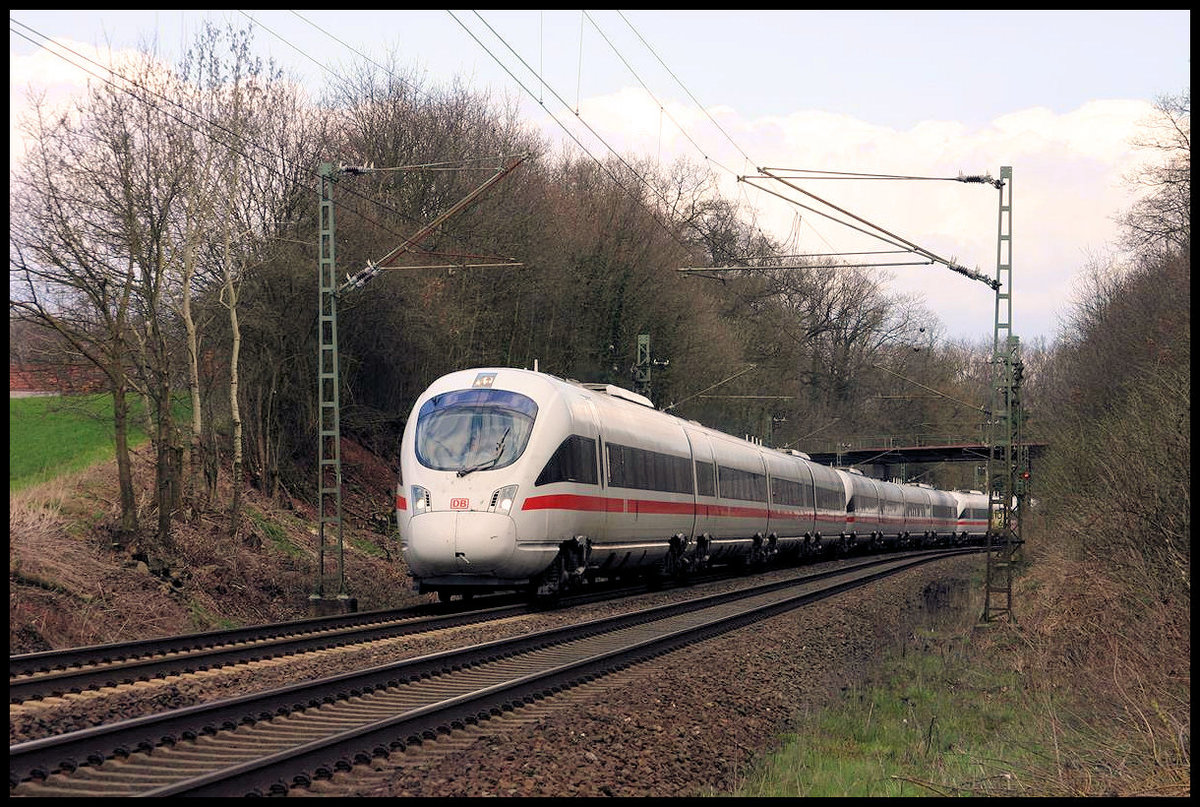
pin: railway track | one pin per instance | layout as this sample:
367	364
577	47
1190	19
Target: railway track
33	676
267	742
41	675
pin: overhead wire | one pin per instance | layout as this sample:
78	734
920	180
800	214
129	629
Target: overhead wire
556	95
416	88
824	214
685	89
917	249
663	111
702	108
564	127
720	128
293	47
661	107
210	122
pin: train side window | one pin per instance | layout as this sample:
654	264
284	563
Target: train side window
705	484
738	484
638	468
573	461
787	491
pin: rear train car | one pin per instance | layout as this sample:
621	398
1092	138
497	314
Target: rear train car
971	522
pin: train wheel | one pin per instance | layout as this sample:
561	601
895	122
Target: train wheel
546	589
700	553
675	565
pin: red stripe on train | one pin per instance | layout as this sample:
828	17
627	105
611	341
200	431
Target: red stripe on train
657	507
574	501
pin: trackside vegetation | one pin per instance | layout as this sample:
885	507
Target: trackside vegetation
1087	692
926	724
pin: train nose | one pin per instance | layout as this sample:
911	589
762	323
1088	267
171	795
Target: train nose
459	543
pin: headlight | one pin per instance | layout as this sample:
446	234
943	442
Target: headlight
502	499
420	500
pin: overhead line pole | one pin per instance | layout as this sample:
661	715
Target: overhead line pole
329	444
1006	459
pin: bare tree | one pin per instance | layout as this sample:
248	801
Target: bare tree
1161	219
71	266
148	186
192	236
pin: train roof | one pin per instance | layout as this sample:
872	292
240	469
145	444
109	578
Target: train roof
614	391
622	394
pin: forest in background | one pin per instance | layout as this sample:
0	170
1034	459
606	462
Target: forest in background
164	233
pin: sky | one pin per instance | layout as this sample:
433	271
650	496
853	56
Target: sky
1056	95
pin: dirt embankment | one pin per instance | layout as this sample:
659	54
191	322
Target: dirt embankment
70	585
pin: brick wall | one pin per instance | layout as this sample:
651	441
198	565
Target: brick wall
34	379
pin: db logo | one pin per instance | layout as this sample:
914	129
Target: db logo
459	504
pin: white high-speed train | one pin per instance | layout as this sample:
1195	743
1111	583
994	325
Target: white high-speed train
512	479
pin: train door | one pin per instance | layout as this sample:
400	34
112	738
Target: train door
587	424
705	469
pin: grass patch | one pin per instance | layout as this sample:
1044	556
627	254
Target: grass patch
275	534
53	435
204	620
930	723
370	548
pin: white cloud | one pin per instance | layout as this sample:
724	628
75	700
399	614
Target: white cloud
1066	190
59	78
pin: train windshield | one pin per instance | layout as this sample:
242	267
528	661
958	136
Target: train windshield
473	429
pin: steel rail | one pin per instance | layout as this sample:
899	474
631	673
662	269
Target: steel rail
50	660
53	673
252	648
